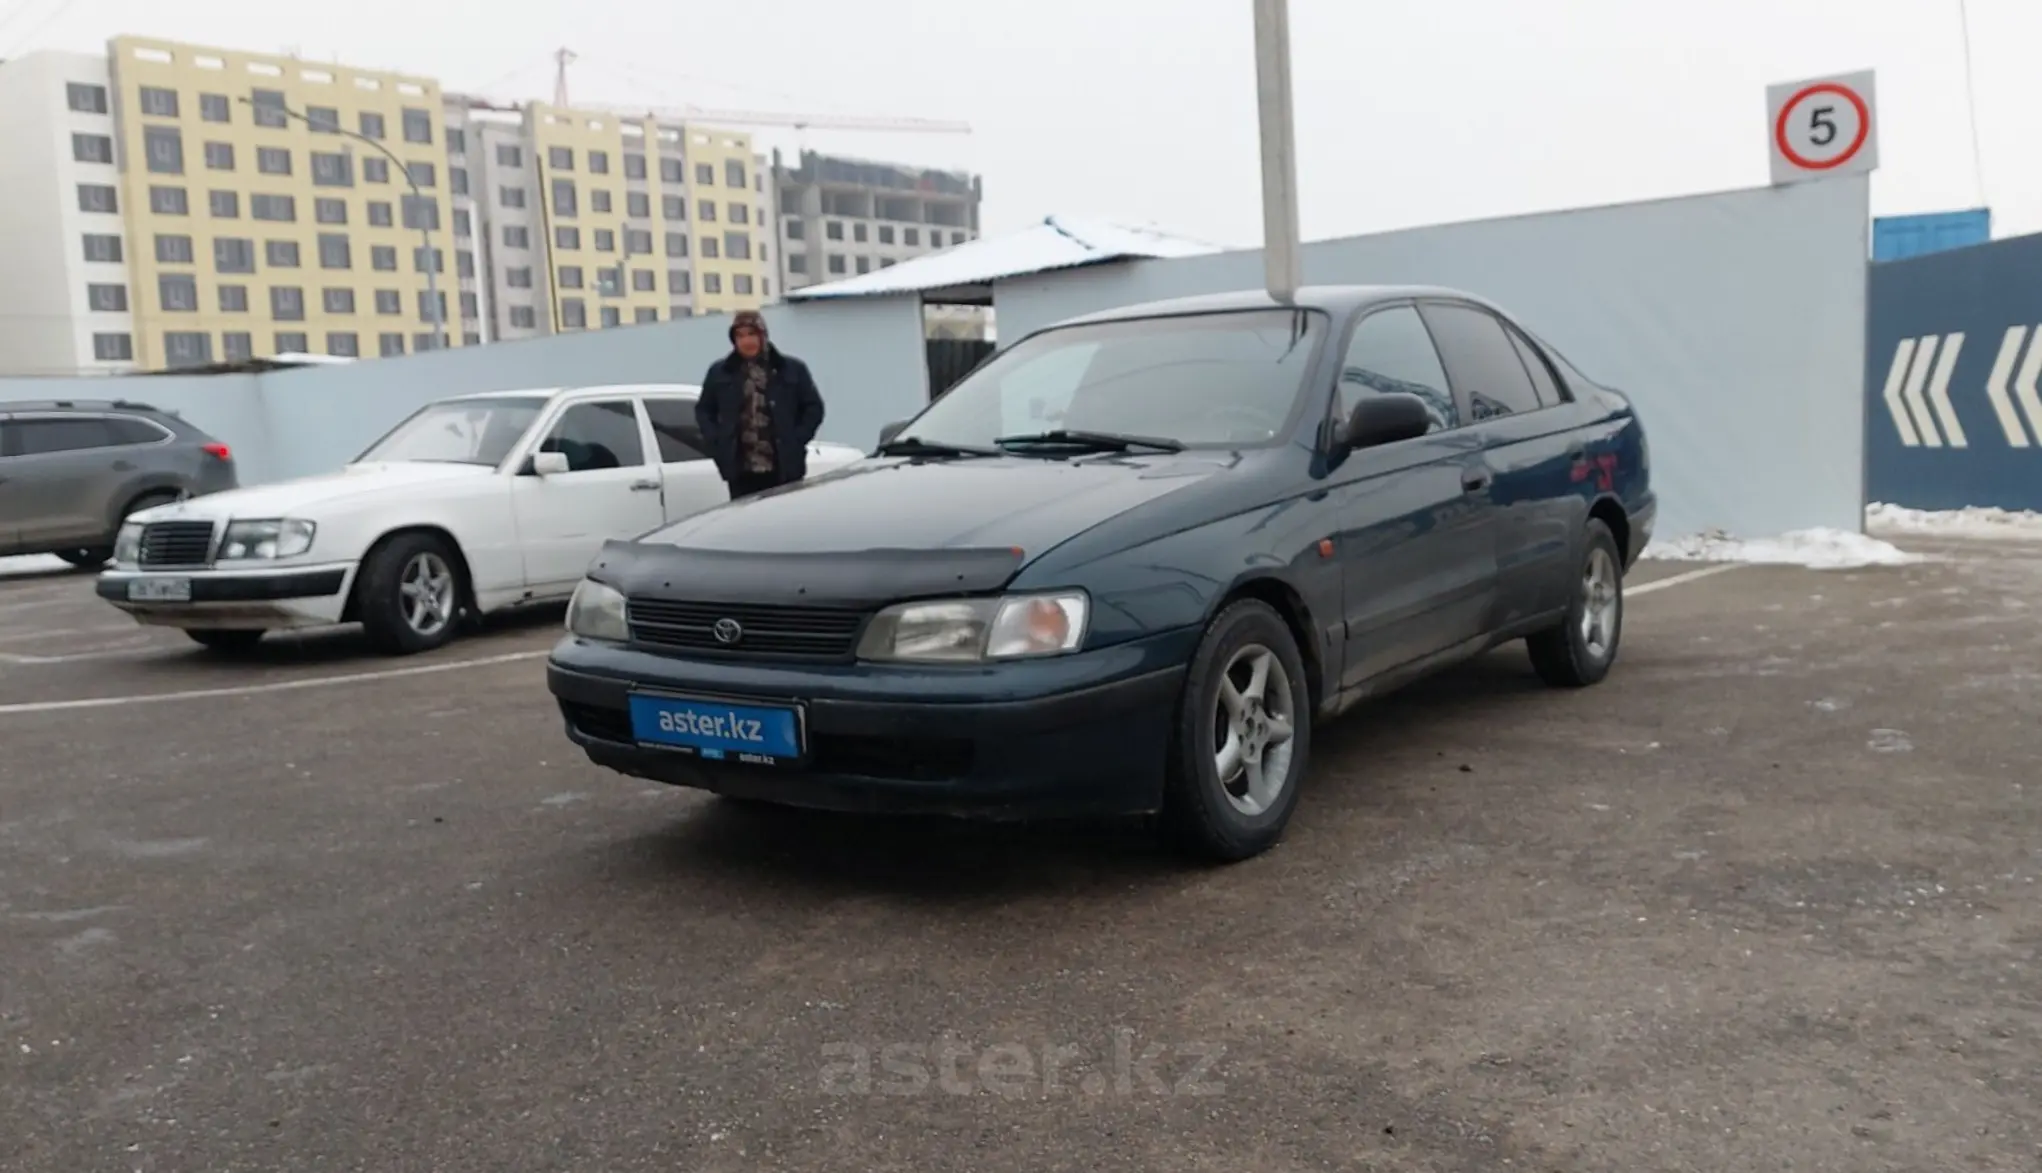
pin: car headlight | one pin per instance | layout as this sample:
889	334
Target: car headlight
954	631
597	612
127	545
283	537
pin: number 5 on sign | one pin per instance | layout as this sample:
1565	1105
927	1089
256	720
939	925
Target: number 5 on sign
1822	127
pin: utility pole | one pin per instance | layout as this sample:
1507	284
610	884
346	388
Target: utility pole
1282	265
428	259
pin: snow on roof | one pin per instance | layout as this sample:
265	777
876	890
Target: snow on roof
1059	242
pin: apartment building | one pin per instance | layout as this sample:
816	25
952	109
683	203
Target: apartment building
591	219
841	216
171	205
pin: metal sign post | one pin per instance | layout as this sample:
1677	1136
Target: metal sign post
1280	255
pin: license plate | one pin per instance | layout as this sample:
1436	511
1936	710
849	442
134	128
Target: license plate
159	590
767	735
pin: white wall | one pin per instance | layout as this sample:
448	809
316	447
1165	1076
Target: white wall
867	356
46	327
1735	322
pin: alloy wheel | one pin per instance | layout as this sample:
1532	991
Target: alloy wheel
1255	719
426	593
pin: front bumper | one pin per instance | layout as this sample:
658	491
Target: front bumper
257	599
1083	735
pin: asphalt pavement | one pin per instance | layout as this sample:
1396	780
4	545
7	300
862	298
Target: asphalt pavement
1769	898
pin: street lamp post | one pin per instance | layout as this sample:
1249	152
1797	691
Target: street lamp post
1281	263
432	285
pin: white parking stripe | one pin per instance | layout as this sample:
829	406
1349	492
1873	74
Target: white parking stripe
114	702
1660	584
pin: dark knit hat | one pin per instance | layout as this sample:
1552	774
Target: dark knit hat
747	318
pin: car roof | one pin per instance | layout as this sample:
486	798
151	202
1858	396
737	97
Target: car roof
590	391
82	405
1334	299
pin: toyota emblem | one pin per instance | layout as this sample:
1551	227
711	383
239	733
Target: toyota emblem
727	631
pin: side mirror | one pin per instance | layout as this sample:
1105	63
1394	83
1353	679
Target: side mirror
548	464
893	429
1385	419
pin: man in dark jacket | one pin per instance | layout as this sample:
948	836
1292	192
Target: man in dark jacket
758	412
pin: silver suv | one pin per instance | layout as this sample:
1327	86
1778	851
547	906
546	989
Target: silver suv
72	470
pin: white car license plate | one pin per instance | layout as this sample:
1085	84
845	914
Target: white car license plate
159	590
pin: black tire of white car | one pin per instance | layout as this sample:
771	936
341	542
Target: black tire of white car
379	595
1201	814
1572	655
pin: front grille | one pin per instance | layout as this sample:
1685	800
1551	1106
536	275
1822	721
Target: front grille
177	543
814	633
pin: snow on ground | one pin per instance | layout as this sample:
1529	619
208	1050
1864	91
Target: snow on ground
31	564
1971	522
1818	549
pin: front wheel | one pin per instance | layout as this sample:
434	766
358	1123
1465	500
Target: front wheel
1244	736
1580	651
409	595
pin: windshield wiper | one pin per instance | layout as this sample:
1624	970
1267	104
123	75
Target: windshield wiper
916	446
1094	441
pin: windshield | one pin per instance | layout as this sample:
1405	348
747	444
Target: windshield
459	431
1212	380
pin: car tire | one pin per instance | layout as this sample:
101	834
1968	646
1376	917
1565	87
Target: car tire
1580	650
1225	814
94	557
409	594
89	558
225	639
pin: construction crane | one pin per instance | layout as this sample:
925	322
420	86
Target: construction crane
563	57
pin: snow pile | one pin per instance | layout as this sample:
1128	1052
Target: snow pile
1971	521
32	564
1818	549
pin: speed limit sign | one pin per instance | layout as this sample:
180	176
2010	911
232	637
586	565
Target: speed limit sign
1822	127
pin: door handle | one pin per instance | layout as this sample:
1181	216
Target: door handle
1474	480
1578	454
644	486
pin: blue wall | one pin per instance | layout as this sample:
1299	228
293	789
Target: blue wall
1899	237
1953	415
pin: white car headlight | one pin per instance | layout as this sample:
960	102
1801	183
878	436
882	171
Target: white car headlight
282	537
127	545
597	612
963	631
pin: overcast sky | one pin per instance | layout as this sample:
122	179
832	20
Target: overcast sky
1143	110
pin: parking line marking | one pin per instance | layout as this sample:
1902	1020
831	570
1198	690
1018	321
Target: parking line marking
108	702
1660	584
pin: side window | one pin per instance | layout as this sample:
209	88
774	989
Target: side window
39	437
130	430
1541	374
598	435
1481	362
1391	351
673	424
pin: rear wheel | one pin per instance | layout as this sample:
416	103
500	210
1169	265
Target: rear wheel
409	594
1244	736
87	558
1580	651
220	639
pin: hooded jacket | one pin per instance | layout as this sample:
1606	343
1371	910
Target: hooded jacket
792	401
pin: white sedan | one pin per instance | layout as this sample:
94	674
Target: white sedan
472	505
